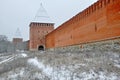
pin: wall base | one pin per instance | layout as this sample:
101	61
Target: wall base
104	45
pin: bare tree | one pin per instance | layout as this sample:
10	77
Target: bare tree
5	45
3	38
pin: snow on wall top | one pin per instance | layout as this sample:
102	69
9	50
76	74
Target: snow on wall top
42	16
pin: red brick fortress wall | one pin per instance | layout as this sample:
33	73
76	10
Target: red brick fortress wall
99	21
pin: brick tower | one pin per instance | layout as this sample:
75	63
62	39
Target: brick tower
39	28
17	38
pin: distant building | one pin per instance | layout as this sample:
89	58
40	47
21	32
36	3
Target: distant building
39	28
18	40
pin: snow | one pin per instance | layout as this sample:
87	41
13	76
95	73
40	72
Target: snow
35	62
24	55
6	60
46	69
11	57
117	65
64	73
15	75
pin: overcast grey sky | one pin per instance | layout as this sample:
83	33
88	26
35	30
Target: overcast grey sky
19	13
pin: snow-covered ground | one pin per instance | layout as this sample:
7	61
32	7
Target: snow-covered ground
11	57
68	66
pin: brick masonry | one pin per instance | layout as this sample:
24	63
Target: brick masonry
99	22
37	34
105	45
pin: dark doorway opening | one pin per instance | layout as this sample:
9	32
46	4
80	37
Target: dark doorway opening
41	48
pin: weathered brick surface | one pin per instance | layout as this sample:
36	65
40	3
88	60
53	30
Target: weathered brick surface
100	21
37	34
105	45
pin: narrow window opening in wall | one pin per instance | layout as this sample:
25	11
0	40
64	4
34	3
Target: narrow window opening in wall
83	14
89	11
101	4
71	37
95	6
108	1
98	5
86	12
95	28
105	2
92	9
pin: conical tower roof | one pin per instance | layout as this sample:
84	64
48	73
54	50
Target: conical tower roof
17	34
42	16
